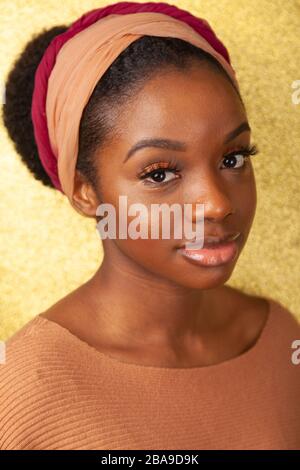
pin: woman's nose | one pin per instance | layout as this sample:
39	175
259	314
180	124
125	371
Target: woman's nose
216	200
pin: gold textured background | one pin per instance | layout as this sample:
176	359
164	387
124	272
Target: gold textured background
47	249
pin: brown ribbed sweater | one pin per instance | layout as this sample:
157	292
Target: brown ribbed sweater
58	392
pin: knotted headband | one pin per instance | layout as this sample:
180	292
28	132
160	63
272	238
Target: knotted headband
75	60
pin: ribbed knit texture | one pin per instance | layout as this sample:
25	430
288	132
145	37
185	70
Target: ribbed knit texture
58	392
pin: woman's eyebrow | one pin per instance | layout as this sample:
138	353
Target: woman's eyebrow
177	145
241	128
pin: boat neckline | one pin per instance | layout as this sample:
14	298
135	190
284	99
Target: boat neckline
236	360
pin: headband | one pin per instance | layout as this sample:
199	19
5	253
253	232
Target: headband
75	61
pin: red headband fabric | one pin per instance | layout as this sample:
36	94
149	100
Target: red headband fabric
38	109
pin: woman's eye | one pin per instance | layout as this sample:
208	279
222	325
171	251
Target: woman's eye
160	176
234	161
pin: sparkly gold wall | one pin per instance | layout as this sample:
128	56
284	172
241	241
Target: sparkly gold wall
47	249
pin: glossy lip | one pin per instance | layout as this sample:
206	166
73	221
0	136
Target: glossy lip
213	254
210	241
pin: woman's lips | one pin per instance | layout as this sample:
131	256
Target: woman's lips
214	255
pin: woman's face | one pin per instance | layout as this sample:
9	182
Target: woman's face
199	109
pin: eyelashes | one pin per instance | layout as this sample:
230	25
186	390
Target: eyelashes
246	152
159	169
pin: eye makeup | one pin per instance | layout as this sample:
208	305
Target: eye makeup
159	168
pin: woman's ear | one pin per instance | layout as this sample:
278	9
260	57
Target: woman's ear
85	199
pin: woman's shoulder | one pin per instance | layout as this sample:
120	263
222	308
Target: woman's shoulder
42	364
285	320
263	307
263	320
25	343
37	358
40	340
28	353
284	333
280	335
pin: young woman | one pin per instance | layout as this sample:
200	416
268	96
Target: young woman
154	351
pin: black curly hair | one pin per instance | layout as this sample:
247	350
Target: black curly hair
142	59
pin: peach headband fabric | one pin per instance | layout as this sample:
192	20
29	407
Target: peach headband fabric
79	64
